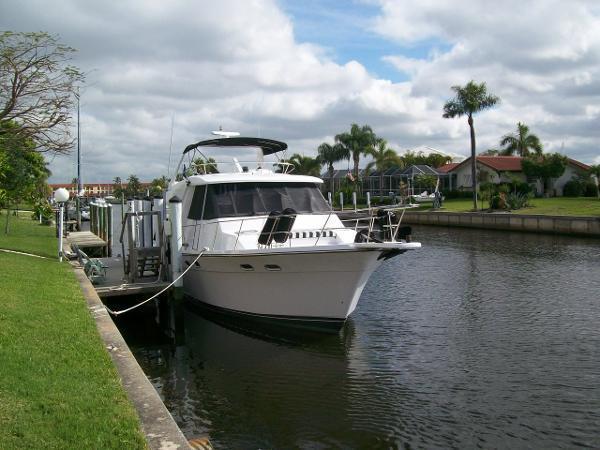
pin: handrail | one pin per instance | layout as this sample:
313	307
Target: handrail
394	228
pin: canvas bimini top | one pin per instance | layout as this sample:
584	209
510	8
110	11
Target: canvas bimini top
268	146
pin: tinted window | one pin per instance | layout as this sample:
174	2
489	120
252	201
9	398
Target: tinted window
195	211
249	199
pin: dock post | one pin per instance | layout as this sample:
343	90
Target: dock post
101	221
157	205
109	229
131	208
354	200
139	207
147	223
92	216
369	200
342	201
175	216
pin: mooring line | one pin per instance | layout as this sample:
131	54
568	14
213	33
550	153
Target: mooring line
123	311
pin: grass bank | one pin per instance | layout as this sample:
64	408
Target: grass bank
58	387
26	235
558	206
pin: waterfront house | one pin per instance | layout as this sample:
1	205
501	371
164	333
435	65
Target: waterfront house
503	169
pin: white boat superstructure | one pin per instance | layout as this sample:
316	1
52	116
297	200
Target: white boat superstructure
271	244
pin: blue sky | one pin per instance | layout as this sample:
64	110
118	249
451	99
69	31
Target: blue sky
345	29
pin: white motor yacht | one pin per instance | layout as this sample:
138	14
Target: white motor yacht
270	243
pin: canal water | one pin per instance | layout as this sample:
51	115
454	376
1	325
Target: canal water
482	339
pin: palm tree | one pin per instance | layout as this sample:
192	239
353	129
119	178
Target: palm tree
521	142
357	142
305	165
330	154
383	158
202	166
469	100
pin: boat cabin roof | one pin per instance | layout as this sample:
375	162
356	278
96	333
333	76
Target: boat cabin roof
251	177
268	146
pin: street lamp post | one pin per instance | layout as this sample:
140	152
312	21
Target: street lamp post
77	197
61	195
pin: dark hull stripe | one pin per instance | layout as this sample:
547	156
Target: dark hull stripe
299	320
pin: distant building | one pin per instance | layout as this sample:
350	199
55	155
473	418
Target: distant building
93	190
502	169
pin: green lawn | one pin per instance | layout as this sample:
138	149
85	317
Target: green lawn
27	235
58	386
559	206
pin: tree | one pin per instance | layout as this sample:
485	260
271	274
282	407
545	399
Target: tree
469	100
118	190
305	165
158	185
426	181
134	187
521	142
329	155
37	87
23	175
437	160
201	166
411	158
491	152
545	167
383	158
357	142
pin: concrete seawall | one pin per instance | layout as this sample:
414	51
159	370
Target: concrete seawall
580	226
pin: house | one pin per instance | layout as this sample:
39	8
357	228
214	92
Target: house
504	169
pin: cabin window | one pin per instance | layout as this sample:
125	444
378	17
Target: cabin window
250	199
195	212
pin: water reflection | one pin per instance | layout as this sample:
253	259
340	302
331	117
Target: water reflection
482	339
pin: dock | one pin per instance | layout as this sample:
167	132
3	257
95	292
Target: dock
115	284
85	239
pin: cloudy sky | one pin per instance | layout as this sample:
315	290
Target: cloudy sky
304	70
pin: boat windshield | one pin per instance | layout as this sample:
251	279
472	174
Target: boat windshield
251	199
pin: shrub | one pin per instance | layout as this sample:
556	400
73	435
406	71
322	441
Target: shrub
573	188
516	201
45	210
498	201
590	189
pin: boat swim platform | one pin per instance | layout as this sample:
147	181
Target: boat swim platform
115	283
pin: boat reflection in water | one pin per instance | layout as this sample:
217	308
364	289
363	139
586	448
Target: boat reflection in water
264	386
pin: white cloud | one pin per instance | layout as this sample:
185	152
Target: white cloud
542	59
238	64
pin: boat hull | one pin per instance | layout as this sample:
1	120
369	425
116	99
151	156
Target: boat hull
317	286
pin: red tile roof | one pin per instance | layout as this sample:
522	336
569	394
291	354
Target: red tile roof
579	164
508	163
446	167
